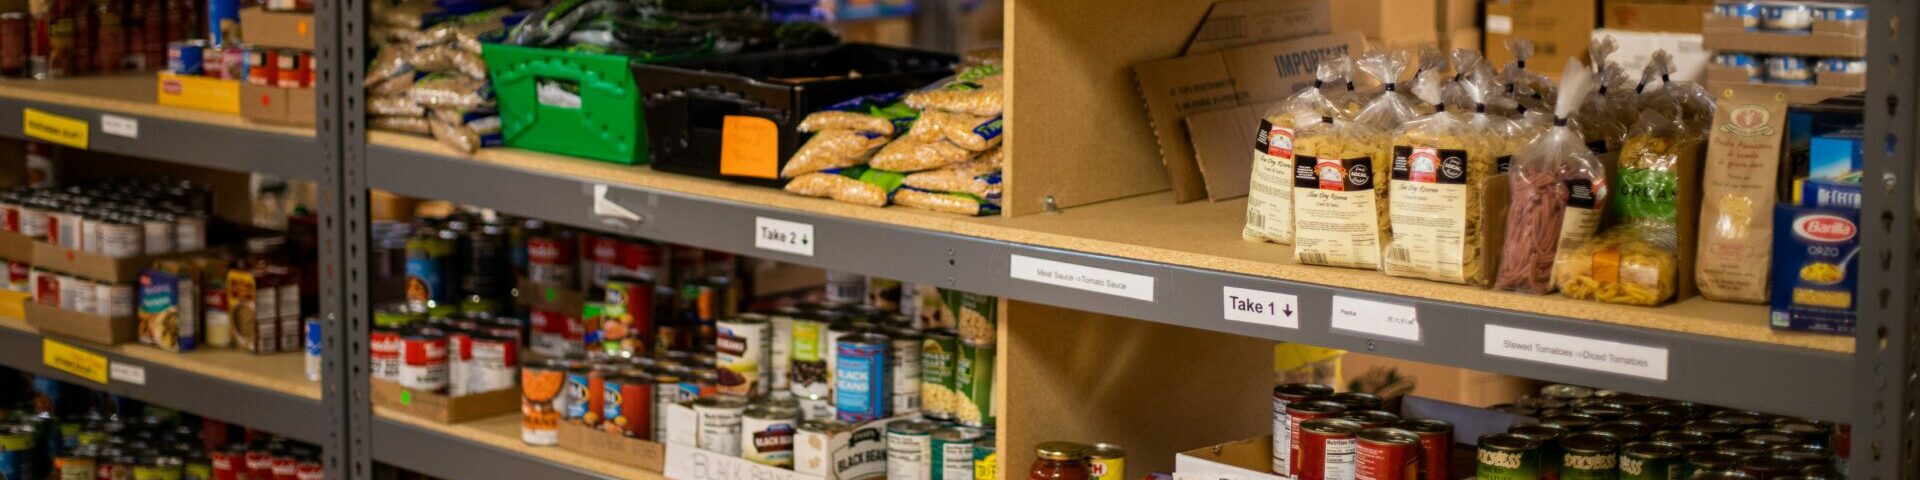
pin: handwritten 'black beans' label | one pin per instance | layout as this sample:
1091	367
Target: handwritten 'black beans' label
1353	174
1430	165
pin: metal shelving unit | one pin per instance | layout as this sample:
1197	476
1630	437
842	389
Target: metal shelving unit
159	132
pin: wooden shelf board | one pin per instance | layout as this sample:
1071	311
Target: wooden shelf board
132	93
503	432
281	372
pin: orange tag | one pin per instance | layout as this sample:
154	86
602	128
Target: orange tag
749	147
1606	266
301	26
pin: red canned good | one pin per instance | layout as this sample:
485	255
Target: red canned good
229	463
1386	454
384	348
551	259
597	376
459	358
263	66
110	37
1436	446
636	406
1327	447
1371	418
14	47
290	69
1300	413
285	467
641	260
423	359
1284	395
234	60
259	462
310	469
492	363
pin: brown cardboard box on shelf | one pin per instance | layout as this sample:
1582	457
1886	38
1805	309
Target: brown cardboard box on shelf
612	447
1653	16
1238	23
276	105
15	247
1825	86
441	408
1177	88
1829	38
72	324
96	267
1223	146
1385	18
1468	38
1452	15
1559	30
278	29
1410	39
1438	382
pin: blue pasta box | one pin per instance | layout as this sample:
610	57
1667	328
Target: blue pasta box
1814	267
165	313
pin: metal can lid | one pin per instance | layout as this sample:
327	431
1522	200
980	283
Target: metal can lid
1625	429
720	402
1713	459
1425	425
1802	426
1744	447
984	442
1604	410
1824	471
1689	440
1573	421
1715	427
1392	436
1722	475
1507	442
1331	426
1541	432
867	338
1356	400
1805	452
1769	464
1590	442
1371	417
1770	436
1566	392
1656	420
1316	406
1301	391
1741	418
1106	450
911	427
1512	409
958	434
770	409
1645	450
1061	451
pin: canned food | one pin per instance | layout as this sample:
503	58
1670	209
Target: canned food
158	231
1654	420
627	405
309	468
423	360
1742	418
1682	410
1107	461
1711	460
767	431
742	344
1386	454
1651	461
542	402
1786	16
1546	438
1748	12
1623	430
1566	392
579	393
985	461
860	380
1505	456
937	355
1685	439
158	467
117	301
1589	456
1283	426
263	66
781	347
1840	13
1805	454
1299	413
1768	466
810	446
1371	418
1743	61
229	463
16	452
1513	409
954	452
717	424
1436	447
904	361
15	44
290	69
628	314
383	348
1327	449
1771	437
491	362
811	358
1742	447
74	465
1841	65
910	449
1356	400
1812	432
1717	428
1573	421
973	384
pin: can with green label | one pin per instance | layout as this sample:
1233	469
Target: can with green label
1505	456
1589	456
953	452
16	452
936	374
985	461
808	369
1546	437
973	384
158	467
1651	461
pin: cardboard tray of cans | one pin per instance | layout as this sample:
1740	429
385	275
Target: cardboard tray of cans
1825	85
856	452
1252	458
82	326
1828	38
442	408
123	270
15	247
612	447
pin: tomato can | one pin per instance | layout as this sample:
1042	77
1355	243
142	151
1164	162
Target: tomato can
263	66
718	424
384	349
1356	400
229	463
861	374
1284	395
910	449
1436	446
1327	449
310	468
937	355
551	257
1371	418
1386	454
1107	461
290	69
285	466
742	346
542	402
1299	413
953	452
1506	456
423	359
1651	461
259	461
636	404
767	432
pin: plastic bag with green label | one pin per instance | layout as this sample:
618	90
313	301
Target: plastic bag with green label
855	185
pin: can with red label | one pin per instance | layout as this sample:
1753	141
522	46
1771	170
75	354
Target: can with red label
459	357
263	66
1327	447
290	69
310	469
384	348
18	277
1302	412
641	260
1284	395
285	467
229	463
259	461
1386	454
1436	446
423	359
628	405
551	258
492	363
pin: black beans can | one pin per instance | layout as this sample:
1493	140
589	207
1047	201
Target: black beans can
1651	461
1654	420
1742	418
1504	456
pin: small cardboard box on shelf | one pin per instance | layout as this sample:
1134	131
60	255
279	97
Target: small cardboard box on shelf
442	408
278	29
72	324
1827	38
277	105
199	93
1654	16
612	446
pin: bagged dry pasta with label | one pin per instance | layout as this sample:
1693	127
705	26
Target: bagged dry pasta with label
975	91
909	155
946	202
1270	193
1637	261
1339	194
965	177
1438	160
1738	193
1559	190
452	90
846	134
834	148
855	185
971	132
1392	107
1597	119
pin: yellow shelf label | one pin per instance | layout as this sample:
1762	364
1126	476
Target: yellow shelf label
74	360
58	129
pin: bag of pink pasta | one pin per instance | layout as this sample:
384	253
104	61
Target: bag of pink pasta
1559	192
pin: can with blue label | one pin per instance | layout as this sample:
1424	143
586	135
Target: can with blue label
314	337
1840	13
223	22
1743	61
1789	70
578	378
1747	12
1786	16
1841	65
860	377
186	57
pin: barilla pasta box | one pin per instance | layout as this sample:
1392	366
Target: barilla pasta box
163	323
1815	265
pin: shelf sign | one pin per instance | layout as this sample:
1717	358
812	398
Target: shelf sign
77	361
783	236
111	124
1081	277
1265	308
1577	352
58	129
1373	318
127	373
691	463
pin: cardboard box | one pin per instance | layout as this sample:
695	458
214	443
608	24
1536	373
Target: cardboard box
99	268
1238	23
71	324
1180	87
1468	38
858	452
199	93
15	247
1222	145
278	29
613	447
1829	38
1690	59
442	408
1559	30
1410	39
1453	15
276	105
1648	16
1385	18
1826	85
1445	383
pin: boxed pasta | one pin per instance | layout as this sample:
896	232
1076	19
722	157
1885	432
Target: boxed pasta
1815	267
1738	187
167	310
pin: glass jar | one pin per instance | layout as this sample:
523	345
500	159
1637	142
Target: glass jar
1060	461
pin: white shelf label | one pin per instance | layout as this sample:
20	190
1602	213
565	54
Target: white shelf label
690	463
1265	308
1373	318
1500	24
119	126
783	236
1577	352
127	373
1081	277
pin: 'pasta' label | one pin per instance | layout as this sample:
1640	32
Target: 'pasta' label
1270	196
1336	212
1428	196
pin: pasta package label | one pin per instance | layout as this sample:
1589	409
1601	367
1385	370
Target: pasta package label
1814	268
1582	218
1336	212
1270	196
1429	198
1737	187
1503	163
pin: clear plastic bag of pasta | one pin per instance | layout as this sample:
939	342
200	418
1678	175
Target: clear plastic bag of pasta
855	185
1430	76
1392	107
1340	194
973	177
1649	184
976	91
1559	189
848	133
1694	103
946	202
1633	264
1434	208
1270	189
1598	119
830	149
971	132
1531	89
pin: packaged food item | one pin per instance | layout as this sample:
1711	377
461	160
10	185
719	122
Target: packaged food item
1392	107
1816	264
831	149
1339	199
448	58
947	202
856	185
1559	188
1597	119
845	120
1530	89
846	134
408	124
452	90
976	91
971	132
1434	205
985	185
1637	261
395	106
908	155
1737	190
1270	196
1428	79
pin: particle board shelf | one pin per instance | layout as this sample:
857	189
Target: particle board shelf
269	392
1188	252
485	448
174	134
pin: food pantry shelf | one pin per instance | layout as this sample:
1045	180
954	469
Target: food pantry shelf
1177	258
173	134
267	392
486	448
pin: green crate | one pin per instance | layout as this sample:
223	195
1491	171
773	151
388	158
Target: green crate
608	123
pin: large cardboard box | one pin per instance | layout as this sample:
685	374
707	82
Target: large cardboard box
1468	38
1177	88
1650	16
72	324
1559	30
1825	85
1454	15
1690	58
1238	23
1385	18
1828	38
276	105
278	29
1440	382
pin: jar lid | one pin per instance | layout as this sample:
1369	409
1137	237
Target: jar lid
1061	451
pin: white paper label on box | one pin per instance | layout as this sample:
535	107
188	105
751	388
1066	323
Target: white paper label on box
1081	277
1265	308
1373	318
1577	352
1500	24
127	373
120	126
783	236
689	463
681	425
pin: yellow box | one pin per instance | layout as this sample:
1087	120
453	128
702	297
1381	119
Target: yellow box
199	93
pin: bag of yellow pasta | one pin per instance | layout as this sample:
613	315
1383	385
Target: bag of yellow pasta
1439	162
1339	194
1270	195
1392	107
1631	264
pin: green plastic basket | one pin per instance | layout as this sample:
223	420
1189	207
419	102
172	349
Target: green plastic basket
606	124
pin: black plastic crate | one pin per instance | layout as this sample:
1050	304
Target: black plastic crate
687	101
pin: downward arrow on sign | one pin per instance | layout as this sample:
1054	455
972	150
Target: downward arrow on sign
1287	310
